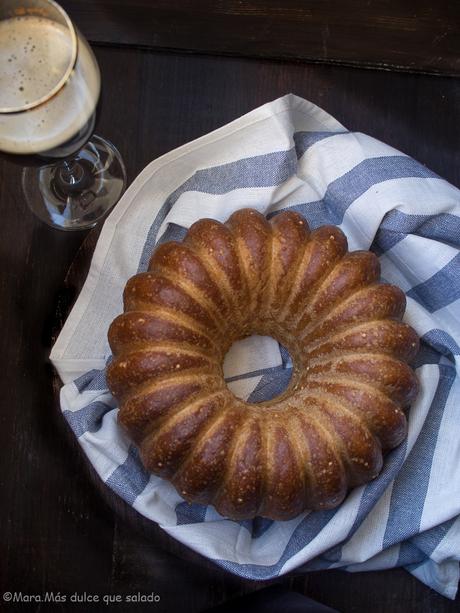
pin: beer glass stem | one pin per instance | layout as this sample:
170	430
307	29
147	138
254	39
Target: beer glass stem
70	173
78	190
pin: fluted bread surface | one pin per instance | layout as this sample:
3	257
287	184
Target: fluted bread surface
344	405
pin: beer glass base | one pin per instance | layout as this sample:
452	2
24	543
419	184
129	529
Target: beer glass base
77	192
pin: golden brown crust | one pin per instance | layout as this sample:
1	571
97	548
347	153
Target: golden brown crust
252	234
351	382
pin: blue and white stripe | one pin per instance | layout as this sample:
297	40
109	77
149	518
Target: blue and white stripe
291	155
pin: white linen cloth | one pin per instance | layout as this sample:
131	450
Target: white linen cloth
290	154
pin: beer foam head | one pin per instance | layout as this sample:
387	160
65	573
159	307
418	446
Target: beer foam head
36	58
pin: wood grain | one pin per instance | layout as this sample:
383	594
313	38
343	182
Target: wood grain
419	36
60	528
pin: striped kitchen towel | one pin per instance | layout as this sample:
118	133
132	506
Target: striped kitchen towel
289	154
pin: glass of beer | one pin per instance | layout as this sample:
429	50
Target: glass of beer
49	88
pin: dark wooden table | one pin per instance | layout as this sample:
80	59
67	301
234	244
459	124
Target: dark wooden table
59	529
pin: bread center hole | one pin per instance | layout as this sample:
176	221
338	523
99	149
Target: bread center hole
257	369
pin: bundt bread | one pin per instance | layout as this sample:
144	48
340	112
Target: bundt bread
350	384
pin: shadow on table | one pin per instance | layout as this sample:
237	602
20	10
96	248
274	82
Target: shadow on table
273	599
